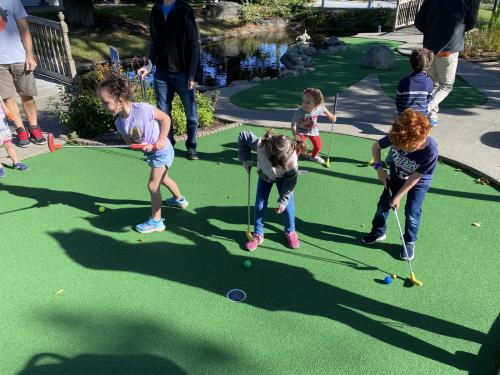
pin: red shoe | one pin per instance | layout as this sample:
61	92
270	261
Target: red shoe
257	240
22	135
293	240
37	135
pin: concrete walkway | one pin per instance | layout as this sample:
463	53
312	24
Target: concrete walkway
469	137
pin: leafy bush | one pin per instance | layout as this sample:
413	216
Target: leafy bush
81	111
482	43
258	9
344	19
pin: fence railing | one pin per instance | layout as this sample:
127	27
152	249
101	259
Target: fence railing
52	48
405	13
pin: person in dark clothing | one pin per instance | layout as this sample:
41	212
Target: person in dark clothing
174	48
444	24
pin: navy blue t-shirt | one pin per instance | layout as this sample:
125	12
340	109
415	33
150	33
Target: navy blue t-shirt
415	92
403	163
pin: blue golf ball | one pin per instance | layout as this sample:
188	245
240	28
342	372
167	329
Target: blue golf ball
388	280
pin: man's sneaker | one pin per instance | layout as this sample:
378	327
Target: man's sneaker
20	166
2	172
192	154
371	238
257	240
23	136
293	240
151	226
410	248
37	136
176	203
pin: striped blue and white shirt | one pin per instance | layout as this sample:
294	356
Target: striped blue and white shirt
415	92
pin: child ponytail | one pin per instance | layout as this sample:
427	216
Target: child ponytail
118	87
278	148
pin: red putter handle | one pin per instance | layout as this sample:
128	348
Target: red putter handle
138	146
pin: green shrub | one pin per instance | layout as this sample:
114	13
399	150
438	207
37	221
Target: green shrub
258	9
482	43
80	110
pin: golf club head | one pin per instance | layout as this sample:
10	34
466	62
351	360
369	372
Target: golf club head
249	235
414	280
53	146
327	163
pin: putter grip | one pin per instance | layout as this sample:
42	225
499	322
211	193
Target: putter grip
138	146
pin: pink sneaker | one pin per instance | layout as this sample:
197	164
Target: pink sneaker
257	240
293	240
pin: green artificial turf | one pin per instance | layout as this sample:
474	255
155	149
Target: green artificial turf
336	73
155	304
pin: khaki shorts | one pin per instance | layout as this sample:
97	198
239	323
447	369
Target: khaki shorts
13	78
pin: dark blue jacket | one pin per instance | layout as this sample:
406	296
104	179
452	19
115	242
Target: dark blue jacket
175	43
444	23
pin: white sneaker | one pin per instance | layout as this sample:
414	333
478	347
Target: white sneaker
317	159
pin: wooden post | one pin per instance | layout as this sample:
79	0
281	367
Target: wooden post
67	46
396	17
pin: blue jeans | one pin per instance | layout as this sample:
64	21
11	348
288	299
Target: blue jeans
413	209
166	85
263	191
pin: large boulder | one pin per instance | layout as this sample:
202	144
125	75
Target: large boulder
379	57
223	10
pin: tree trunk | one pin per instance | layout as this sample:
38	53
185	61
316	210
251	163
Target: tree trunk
79	12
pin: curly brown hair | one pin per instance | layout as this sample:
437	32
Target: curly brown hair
279	148
118	87
316	94
421	59
409	130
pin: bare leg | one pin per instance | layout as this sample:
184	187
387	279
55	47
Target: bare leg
29	107
11	152
155	180
172	186
14	109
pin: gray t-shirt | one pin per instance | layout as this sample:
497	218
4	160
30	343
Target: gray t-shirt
307	123
11	47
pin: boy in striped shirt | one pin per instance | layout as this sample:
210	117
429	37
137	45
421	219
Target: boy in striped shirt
416	90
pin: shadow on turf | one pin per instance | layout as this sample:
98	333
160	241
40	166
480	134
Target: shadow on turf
97	364
47	197
271	285
130	335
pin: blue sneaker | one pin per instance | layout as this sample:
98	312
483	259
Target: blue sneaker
434	122
2	172
177	203
371	238
20	167
410	248
151	226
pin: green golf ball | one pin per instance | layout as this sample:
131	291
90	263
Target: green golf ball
247	263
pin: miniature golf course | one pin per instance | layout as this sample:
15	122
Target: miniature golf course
84	294
338	72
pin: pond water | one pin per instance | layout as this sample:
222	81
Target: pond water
243	58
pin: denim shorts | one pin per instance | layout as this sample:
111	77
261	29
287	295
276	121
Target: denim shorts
161	158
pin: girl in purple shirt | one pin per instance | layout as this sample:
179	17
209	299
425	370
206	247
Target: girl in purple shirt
138	123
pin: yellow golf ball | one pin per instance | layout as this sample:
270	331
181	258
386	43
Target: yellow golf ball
102	209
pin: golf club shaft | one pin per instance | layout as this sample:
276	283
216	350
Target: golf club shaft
96	146
331	132
402	239
248	203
